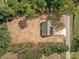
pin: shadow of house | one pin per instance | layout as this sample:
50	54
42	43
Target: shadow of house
46	29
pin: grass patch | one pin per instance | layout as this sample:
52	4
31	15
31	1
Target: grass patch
2	3
63	55
75	55
76	22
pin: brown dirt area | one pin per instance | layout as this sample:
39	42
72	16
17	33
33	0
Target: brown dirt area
9	56
30	33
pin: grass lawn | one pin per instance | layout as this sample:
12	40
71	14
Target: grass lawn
75	55
76	23
2	3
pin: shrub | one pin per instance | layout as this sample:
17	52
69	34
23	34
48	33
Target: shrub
11	3
20	47
50	48
11	12
75	44
33	53
4	39
22	7
23	24
4	14
30	13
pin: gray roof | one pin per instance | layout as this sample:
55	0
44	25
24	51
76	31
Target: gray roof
46	28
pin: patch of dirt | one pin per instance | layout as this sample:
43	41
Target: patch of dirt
31	33
9	56
52	56
55	56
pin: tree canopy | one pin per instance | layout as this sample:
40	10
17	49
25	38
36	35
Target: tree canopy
63	6
4	39
30	8
56	6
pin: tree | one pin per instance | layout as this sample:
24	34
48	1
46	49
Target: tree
38	5
41	5
4	39
33	4
49	4
30	13
22	7
4	14
63	6
50	48
11	3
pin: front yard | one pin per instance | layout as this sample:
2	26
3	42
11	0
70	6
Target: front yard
31	33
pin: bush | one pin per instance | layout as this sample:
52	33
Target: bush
50	48
23	24
11	12
4	14
4	39
75	44
31	51
47	49
20	47
11	3
30	13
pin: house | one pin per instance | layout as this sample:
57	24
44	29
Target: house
46	28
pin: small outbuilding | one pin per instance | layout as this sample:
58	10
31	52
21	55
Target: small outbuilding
46	28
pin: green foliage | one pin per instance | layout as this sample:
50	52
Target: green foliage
30	13
38	5
75	44
69	6
51	48
11	3
31	7
11	12
15	5
6	12
41	5
22	7
45	49
63	6
20	47
2	4
55	6
3	14
4	39
49	4
33	53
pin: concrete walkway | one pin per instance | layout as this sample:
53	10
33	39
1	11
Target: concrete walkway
68	35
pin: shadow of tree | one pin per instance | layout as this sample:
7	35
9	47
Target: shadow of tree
23	23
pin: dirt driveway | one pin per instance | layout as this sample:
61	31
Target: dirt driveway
30	33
